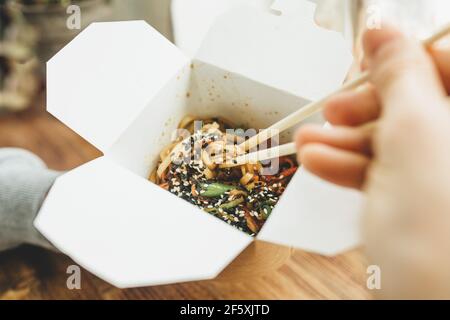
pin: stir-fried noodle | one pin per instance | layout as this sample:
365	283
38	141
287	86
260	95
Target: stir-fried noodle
194	168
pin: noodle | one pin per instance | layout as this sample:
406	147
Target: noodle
239	195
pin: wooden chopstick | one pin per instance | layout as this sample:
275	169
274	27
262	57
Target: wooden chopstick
316	106
277	151
261	155
303	113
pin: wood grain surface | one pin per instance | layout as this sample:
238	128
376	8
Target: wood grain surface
262	271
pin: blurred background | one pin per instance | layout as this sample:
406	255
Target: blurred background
32	31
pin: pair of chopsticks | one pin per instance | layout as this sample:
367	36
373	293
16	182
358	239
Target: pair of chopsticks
302	114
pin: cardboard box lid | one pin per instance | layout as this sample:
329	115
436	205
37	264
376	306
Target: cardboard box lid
288	51
315	215
191	19
101	80
108	220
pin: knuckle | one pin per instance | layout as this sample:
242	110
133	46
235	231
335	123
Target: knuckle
398	60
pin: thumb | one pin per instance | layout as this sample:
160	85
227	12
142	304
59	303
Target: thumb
401	70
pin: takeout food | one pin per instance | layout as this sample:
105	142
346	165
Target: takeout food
130	89
194	167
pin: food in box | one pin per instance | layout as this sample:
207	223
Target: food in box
125	88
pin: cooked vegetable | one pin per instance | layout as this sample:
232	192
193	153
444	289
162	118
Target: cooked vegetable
215	189
232	203
266	210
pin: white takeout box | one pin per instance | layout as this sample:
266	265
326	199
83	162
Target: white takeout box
124	88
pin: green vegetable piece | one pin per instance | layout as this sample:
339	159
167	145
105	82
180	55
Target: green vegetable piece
215	189
232	204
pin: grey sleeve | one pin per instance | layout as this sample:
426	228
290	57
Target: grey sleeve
24	183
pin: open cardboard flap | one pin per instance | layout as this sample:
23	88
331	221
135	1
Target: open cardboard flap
101	80
131	232
285	52
315	215
192	19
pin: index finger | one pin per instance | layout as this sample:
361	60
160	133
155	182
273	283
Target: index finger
405	76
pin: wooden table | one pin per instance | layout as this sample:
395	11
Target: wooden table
33	273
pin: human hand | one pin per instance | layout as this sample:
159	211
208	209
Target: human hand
402	165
